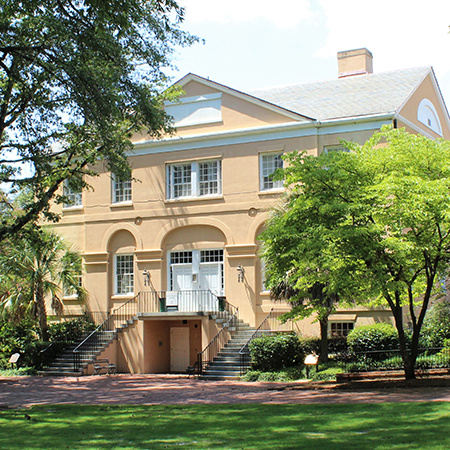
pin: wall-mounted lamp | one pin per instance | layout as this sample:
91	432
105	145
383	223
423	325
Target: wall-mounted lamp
240	272
146	275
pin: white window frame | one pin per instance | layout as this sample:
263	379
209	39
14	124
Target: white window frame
340	322
266	171
75	197
118	265
122	191
191	182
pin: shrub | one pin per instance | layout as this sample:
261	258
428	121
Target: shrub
367	338
275	352
436	326
19	338
23	338
337	345
289	374
327	374
312	345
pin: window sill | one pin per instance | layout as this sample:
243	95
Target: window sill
193	199
126	204
72	208
271	192
122	296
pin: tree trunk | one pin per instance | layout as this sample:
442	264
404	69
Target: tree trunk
408	355
408	364
41	312
323	340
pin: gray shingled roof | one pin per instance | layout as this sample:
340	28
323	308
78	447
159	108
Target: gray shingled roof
359	95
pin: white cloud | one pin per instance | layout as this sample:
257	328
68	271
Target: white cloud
283	14
405	33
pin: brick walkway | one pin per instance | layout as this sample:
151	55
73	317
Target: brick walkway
173	389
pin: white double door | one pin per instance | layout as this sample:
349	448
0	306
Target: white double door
196	275
207	277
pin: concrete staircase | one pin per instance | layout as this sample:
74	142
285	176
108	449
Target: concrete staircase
63	364
227	364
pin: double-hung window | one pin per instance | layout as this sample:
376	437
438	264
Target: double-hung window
72	194
121	190
124	274
269	163
341	329
194	179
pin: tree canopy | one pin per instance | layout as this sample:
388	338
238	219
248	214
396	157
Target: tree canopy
371	225
76	79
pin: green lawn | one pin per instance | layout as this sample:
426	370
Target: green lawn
371	426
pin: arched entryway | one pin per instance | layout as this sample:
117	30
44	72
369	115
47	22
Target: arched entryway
195	259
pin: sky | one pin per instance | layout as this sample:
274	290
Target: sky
253	44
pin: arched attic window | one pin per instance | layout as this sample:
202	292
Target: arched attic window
427	114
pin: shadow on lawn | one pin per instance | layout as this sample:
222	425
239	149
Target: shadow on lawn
423	425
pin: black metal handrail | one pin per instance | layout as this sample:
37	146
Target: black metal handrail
147	303
93	343
205	357
61	343
244	353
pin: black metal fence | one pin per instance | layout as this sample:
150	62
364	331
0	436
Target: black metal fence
381	360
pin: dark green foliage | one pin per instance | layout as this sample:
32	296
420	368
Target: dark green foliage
327	374
87	74
287	374
371	223
33	267
336	345
270	353
19	338
436	326
367	338
23	338
370	363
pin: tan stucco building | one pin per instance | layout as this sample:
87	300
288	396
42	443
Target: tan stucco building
190	219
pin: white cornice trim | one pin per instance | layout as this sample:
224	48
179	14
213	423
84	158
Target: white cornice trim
257	134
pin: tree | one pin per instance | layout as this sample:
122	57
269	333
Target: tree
297	269
381	217
77	79
32	267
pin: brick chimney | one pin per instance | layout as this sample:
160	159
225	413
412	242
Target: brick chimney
355	62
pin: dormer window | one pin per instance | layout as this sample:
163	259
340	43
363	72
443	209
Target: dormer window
427	114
